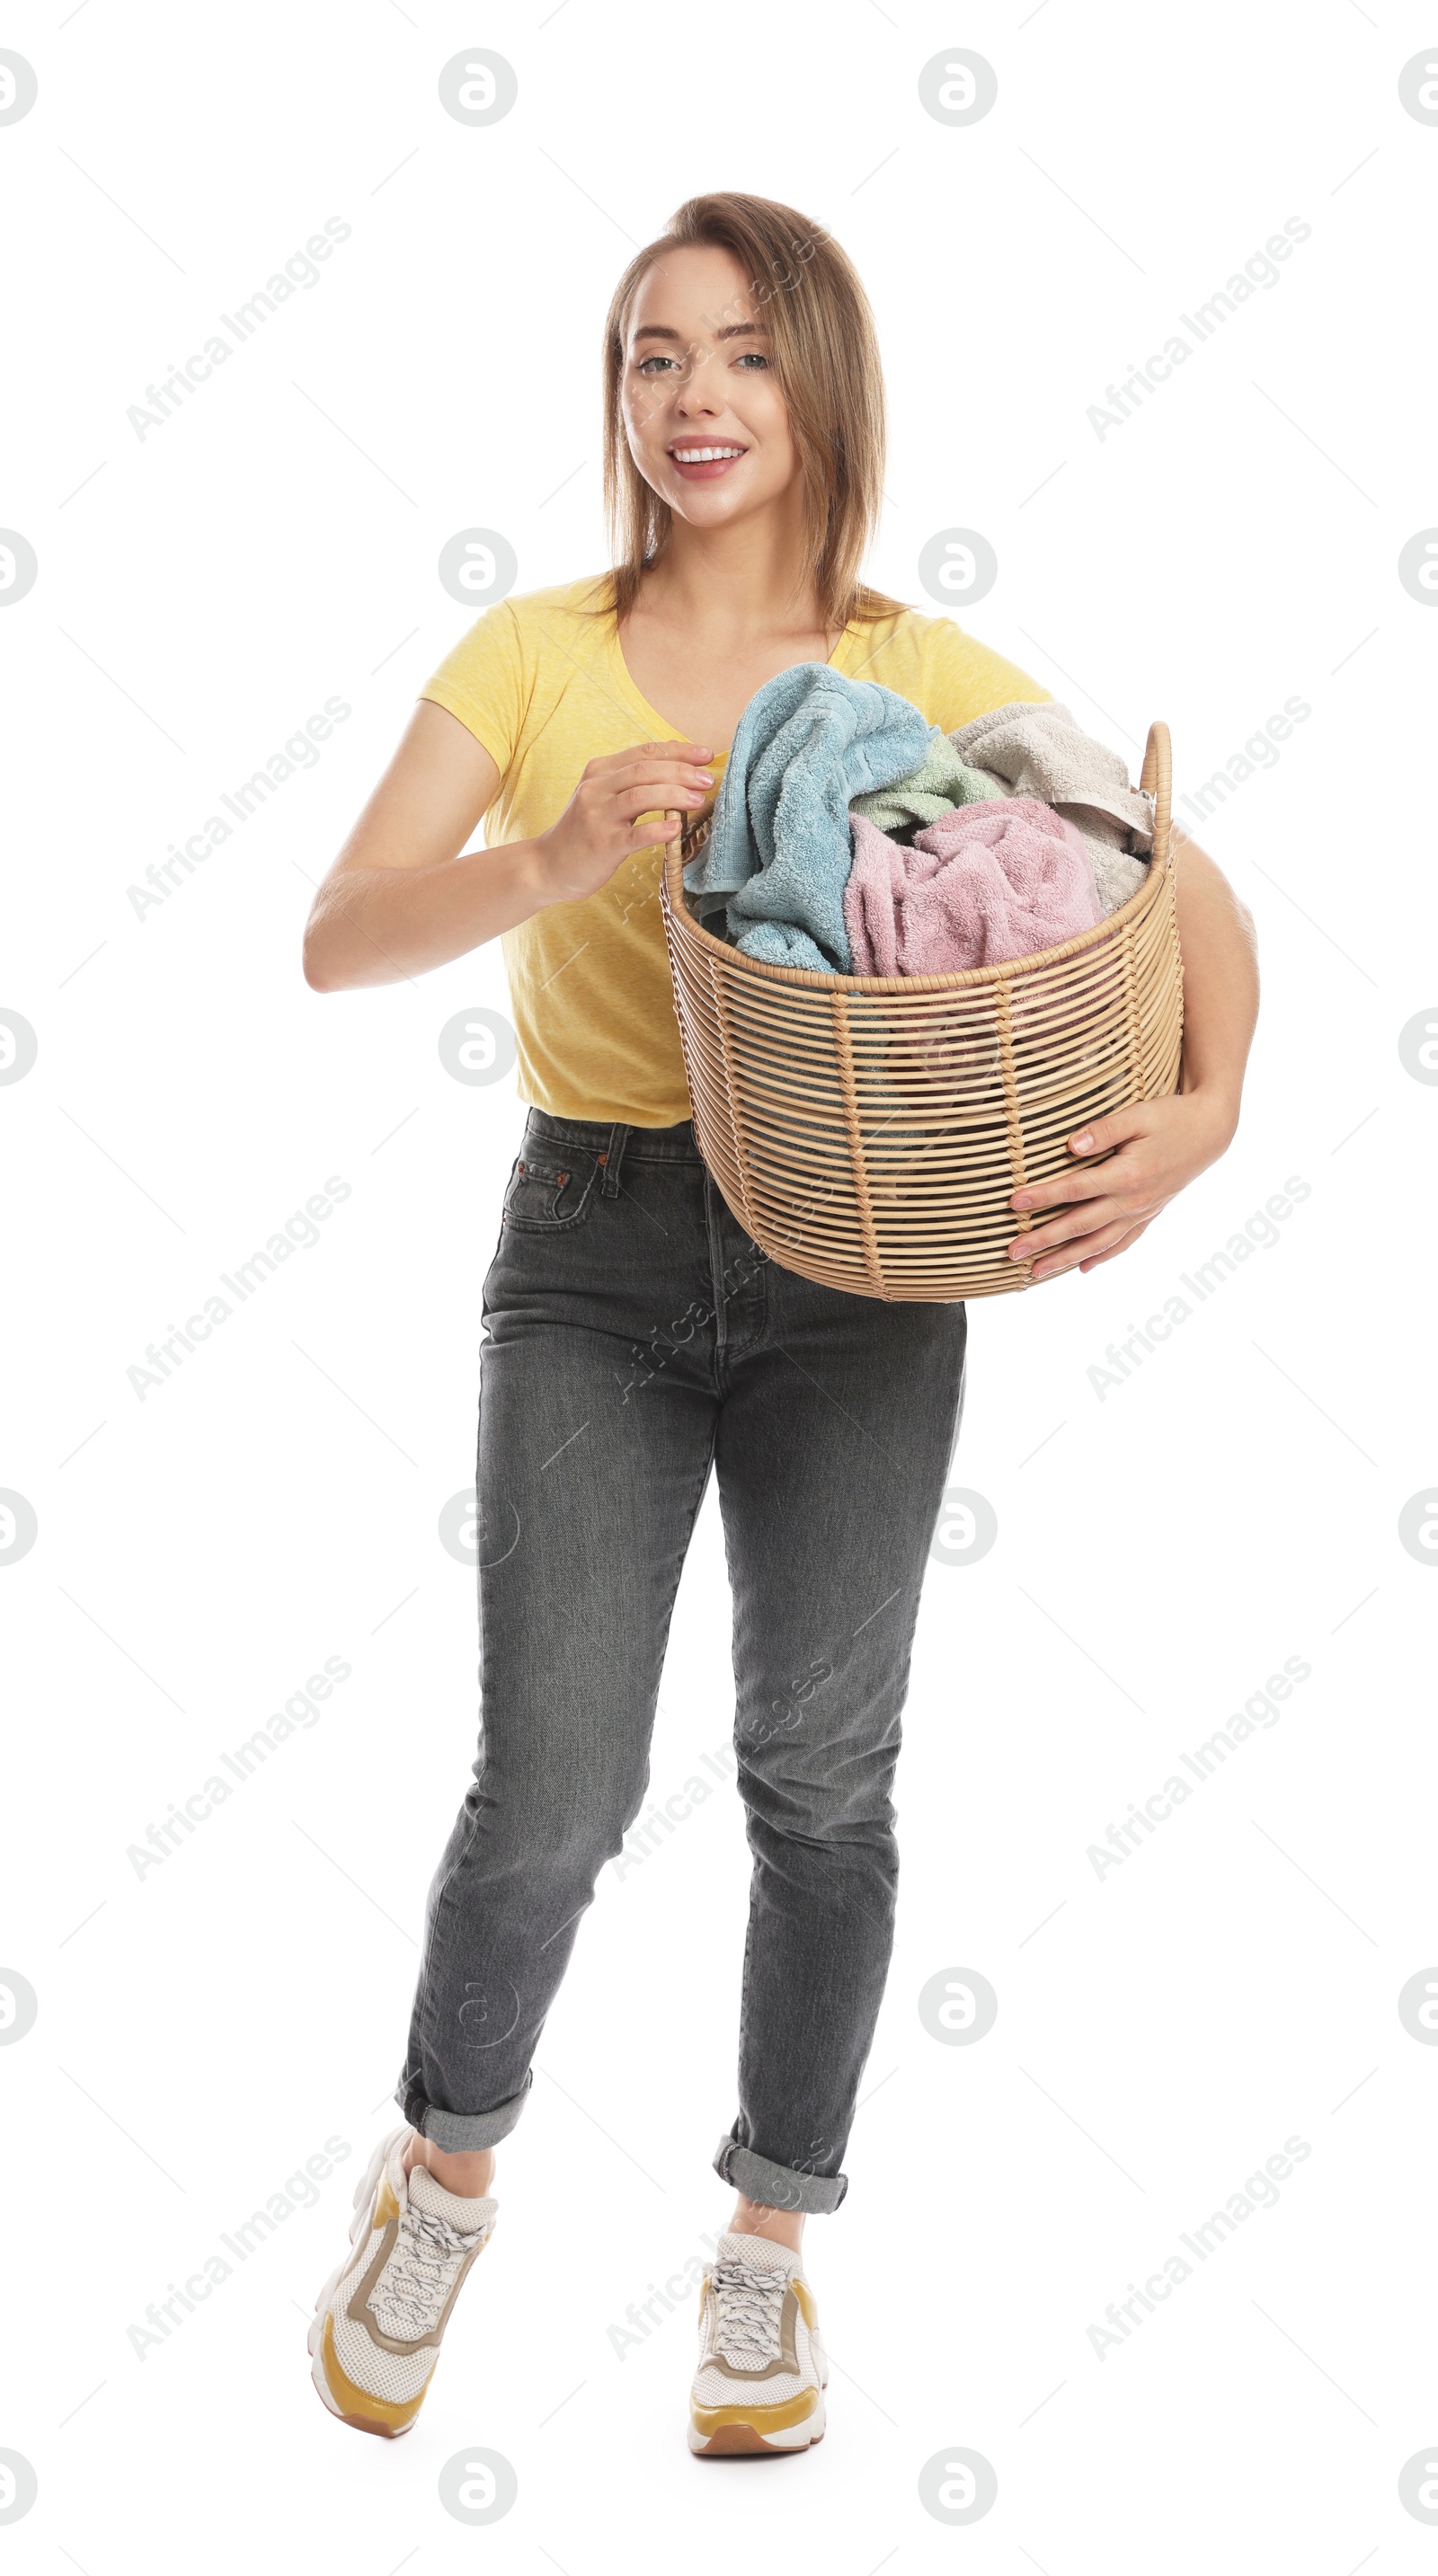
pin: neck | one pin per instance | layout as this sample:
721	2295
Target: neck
749	579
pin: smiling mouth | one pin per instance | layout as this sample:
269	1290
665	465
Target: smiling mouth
703	464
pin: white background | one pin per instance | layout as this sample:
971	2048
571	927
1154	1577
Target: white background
1161	1551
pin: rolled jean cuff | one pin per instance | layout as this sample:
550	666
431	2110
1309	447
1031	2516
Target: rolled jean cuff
460	2133
776	2186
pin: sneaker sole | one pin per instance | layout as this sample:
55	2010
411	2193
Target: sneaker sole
728	2441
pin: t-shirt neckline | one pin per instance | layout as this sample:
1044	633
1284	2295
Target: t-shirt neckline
661	730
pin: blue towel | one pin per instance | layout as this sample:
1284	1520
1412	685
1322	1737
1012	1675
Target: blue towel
778	855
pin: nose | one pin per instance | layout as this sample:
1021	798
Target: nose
694	396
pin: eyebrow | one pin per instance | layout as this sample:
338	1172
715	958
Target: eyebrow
730	331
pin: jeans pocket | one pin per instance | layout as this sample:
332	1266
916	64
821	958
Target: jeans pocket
551	1188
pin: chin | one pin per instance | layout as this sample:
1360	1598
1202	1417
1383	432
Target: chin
709	504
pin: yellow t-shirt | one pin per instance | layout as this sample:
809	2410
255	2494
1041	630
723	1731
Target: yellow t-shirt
545	688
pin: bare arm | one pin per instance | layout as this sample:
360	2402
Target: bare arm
1164	1144
1220	977
401	898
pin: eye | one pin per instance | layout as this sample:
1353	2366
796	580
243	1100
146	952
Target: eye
752	358
645	365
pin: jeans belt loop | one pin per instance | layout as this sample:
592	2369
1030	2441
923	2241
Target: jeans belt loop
613	1157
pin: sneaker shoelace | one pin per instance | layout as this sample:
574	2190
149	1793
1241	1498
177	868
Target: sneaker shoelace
419	2275
749	2305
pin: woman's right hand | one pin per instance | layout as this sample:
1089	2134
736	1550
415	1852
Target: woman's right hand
599	827
405	894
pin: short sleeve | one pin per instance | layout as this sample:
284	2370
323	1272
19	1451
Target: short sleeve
482	682
964	679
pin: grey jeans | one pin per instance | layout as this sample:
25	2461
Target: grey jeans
637	1338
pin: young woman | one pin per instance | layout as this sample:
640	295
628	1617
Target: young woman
636	1337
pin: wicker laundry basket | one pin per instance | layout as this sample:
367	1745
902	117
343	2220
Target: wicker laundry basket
867	1131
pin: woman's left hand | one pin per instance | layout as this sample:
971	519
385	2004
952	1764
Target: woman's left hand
1162	1146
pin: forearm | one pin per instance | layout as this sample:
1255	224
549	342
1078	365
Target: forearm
405	894
1220	981
1135	1159
377	925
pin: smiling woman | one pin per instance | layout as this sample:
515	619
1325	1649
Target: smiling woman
637	1339
752	333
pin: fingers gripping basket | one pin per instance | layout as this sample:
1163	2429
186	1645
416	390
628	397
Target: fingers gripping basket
868	1131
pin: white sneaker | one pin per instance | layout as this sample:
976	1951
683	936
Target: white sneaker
762	2367
381	2314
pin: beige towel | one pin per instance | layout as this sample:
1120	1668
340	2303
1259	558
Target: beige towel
1038	750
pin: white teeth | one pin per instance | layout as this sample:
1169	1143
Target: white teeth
703	455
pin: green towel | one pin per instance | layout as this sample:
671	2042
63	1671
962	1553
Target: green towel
942	783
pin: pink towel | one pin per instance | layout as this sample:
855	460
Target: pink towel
986	882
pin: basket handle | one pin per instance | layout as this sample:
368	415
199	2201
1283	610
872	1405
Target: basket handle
679	852
1156	780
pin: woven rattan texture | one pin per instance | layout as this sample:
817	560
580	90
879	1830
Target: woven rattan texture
868	1131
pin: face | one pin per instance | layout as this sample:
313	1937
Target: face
707	424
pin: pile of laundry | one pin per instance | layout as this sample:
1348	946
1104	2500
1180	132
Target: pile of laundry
849	836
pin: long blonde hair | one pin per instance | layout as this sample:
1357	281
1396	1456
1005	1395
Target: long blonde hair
825	353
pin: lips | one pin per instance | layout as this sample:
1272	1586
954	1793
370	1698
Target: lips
705	460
